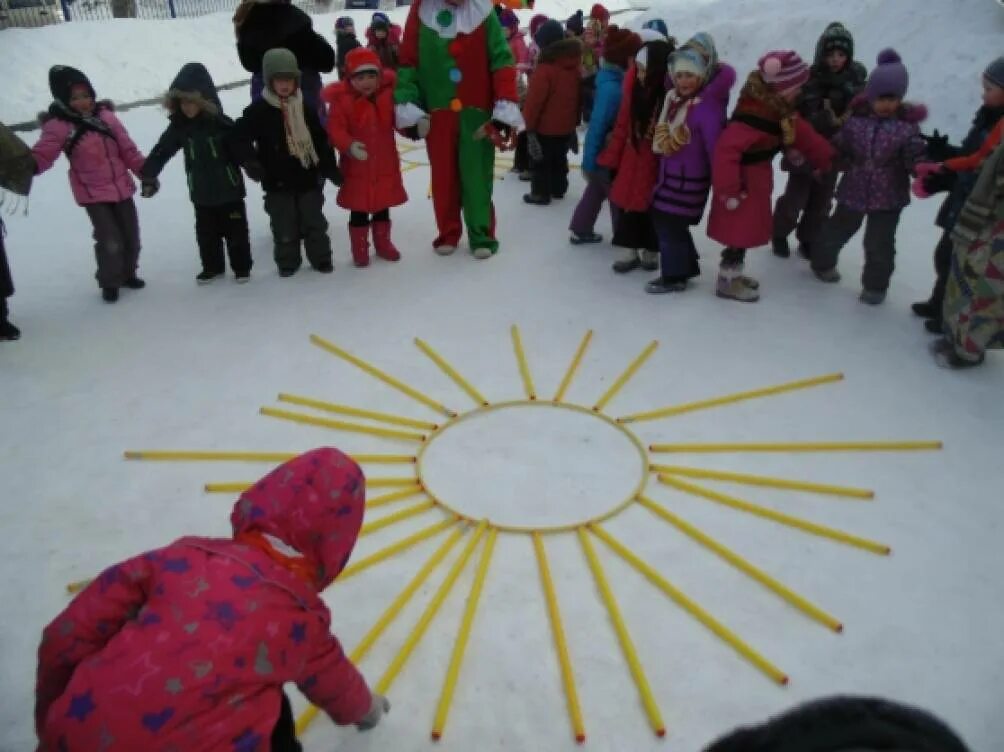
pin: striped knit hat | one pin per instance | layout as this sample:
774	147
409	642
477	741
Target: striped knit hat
783	71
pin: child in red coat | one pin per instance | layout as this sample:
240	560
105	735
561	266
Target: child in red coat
764	124
361	127
189	646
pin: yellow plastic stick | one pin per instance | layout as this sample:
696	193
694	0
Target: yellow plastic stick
688	407
332	407
388	615
237	486
743	566
567	675
390	519
809	446
384	459
341	425
573	367
450	371
691	607
785	519
630	371
404	493
395	548
391	482
765	481
381	375
75	587
463	634
182	455
627	645
524	369
430	612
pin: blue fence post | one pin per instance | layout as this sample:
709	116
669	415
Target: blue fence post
170	5
66	10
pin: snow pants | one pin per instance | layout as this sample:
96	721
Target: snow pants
587	211
463	170
678	257
216	225
295	217
879	243
549	176
116	241
804	206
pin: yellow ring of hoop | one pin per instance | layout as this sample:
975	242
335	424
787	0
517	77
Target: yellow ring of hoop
617	509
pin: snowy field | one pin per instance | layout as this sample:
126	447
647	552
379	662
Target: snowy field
180	366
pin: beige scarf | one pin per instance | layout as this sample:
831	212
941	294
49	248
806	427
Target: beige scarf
298	138
671	130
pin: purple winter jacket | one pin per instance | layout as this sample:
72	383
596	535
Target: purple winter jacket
684	179
877	156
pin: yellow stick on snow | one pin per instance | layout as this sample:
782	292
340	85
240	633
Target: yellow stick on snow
630	371
627	646
390	519
450	371
573	367
804	446
384	459
404	493
183	455
391	482
332	407
430	612
381	375
463	634
743	566
785	519
341	425
765	481
388	615
691	607
567	675
524	369
688	407
75	587
237	486
395	548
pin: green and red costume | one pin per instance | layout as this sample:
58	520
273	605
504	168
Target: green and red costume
455	65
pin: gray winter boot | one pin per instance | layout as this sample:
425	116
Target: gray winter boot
649	260
731	285
627	261
827	275
872	297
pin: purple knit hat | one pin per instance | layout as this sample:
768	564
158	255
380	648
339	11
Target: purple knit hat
889	78
783	71
508	19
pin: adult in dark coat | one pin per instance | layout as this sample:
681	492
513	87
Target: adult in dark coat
17	169
262	26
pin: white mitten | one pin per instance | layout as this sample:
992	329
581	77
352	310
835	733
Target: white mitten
379	707
406	115
422	126
358	151
507	112
732	203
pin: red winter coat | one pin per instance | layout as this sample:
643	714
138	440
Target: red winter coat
751	224
375	183
553	102
188	647
636	165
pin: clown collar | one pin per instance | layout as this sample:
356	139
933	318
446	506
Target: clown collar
448	20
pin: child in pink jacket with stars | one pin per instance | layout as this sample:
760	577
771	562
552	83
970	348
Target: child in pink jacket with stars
188	647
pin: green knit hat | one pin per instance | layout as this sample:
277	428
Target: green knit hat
279	62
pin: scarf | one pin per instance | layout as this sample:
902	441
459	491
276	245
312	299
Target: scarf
281	553
671	131
82	123
757	101
298	139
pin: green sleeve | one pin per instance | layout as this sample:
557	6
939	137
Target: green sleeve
499	54
406	89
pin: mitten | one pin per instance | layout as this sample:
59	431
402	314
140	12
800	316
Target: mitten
938	148
573	143
379	706
732	203
149	187
253	170
357	150
533	147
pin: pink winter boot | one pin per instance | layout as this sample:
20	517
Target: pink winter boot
359	236
382	243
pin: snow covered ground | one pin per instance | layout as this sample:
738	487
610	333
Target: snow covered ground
177	366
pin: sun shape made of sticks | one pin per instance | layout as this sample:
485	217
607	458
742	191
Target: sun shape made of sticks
482	528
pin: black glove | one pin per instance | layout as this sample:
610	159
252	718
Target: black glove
253	170
149	187
533	147
573	143
940	181
938	148
334	174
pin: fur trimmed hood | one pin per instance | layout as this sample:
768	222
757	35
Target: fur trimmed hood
909	112
174	97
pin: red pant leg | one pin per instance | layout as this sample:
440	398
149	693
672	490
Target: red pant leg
442	143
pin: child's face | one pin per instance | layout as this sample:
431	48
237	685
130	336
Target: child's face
348	29
993	95
365	82
836	60
380	33
190	109
686	83
81	101
886	107
284	86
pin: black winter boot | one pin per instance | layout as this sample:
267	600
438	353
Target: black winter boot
8	332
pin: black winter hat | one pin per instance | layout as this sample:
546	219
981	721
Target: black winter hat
62	79
193	78
575	24
549	32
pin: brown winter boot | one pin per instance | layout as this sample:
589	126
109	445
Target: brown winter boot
359	236
382	243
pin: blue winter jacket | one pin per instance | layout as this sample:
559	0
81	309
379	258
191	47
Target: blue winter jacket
608	100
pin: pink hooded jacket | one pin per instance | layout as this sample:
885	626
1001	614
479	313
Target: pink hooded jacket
188	647
99	165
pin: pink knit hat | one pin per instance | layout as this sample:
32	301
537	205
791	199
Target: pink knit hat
783	70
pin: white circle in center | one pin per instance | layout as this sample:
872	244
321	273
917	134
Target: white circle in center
533	465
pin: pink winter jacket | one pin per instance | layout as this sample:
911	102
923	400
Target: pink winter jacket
188	647
99	165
